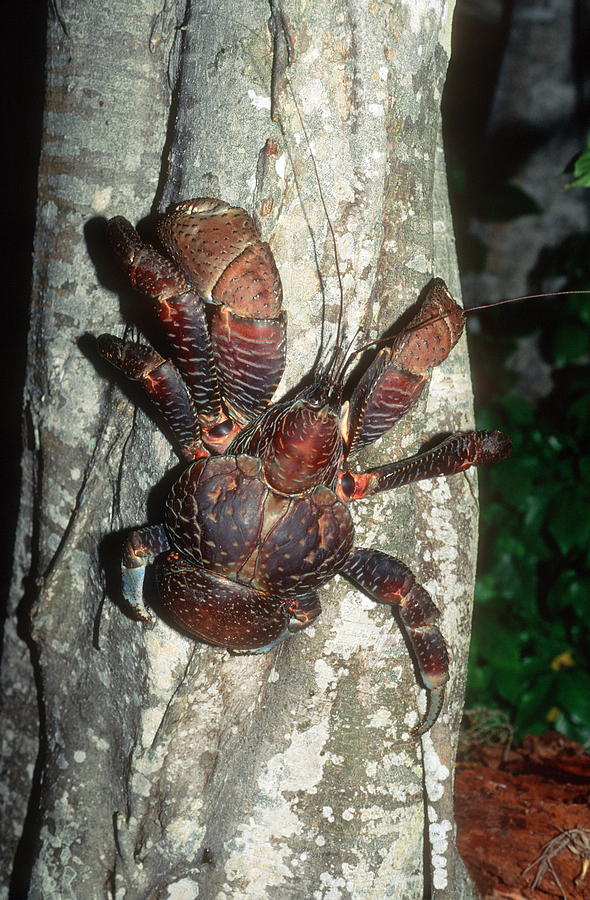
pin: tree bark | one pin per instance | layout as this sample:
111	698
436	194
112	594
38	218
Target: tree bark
167	767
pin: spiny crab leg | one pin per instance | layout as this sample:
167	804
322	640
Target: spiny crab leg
164	386
141	549
388	580
180	311
458	452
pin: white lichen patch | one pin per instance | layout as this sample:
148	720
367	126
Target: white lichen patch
420	263
438	833
266	835
300	767
435	772
371	768
280	166
162	449
418	10
383	778
184	889
101	200
331	887
364	878
314	98
443	548
381	718
446	383
166	651
258	101
355	628
182	830
325	675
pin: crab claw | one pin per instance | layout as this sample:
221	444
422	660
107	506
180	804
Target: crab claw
435	700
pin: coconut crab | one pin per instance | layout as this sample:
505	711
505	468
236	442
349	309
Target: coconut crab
259	520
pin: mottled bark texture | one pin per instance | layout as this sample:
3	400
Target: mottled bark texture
169	768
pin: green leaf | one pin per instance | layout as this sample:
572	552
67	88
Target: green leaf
582	307
502	648
573	693
479	680
518	411
578	415
486	589
581	170
536	507
543	649
457	174
571	591
570	521
508	683
579	733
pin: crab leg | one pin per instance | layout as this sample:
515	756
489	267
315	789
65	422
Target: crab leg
396	377
181	313
226	612
458	452
142	547
163	385
387	580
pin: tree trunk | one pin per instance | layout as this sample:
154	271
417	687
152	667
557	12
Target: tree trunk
167	767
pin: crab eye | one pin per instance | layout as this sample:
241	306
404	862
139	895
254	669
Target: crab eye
347	484
219	431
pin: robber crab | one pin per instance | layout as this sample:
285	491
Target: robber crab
259	520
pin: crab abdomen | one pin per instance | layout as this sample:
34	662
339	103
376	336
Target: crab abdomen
220	610
221	516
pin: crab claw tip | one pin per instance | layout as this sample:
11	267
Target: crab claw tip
435	700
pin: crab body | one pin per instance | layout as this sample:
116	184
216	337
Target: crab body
264	554
259	520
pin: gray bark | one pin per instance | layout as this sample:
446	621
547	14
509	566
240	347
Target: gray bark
171	768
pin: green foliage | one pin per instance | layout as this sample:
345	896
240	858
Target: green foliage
580	167
531	631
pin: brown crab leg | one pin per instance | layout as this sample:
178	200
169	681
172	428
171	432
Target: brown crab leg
229	613
141	548
458	452
162	383
181	313
387	580
396	377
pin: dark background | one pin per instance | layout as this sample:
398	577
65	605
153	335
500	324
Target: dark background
22	76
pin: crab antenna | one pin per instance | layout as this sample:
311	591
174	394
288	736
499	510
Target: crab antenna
325	208
469	309
349	354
